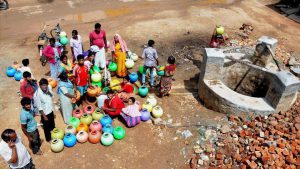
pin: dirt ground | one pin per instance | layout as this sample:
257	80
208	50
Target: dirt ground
173	25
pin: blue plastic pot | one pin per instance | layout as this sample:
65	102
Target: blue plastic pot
145	115
133	77
10	71
108	128
143	91
70	140
18	75
105	120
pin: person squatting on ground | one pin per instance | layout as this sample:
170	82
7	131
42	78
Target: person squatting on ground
14	152
43	100
29	126
113	105
151	60
131	114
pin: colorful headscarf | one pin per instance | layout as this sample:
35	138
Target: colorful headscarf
121	41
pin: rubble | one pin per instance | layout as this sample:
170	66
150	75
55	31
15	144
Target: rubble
255	142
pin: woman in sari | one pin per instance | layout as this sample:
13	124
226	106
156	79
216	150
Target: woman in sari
66	94
127	91
66	67
166	80
119	51
113	105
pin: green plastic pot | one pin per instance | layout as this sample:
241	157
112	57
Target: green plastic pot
86	119
57	133
112	66
64	40
119	133
143	91
107	139
160	73
98	84
94	69
74	121
105	89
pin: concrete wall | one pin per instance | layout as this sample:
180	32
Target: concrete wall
281	92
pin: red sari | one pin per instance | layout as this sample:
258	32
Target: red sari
115	103
166	80
127	91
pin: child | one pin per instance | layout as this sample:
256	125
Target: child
27	85
29	126
25	67
82	76
76	45
151	59
89	61
166	80
131	113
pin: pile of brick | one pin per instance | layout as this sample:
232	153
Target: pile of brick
256	142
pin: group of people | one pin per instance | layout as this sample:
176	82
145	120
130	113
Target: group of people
74	75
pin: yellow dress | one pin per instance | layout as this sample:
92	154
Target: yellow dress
120	59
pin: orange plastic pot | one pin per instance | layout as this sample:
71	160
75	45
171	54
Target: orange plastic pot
77	97
92	91
82	127
94	137
52	82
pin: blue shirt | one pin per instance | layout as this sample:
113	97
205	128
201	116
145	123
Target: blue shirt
27	117
150	56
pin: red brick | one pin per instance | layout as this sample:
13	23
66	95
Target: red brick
237	157
243	166
279	133
248	133
261	140
265	158
281	145
219	156
272	149
253	165
242	133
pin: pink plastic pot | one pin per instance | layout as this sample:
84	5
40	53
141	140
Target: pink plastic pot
82	136
95	126
89	109
77	113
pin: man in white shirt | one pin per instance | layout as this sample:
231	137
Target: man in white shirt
14	152
43	101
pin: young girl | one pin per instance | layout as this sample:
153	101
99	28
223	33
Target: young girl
131	113
166	80
76	45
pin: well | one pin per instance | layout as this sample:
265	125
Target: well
242	82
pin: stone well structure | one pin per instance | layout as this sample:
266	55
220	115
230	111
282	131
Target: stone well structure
228	86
